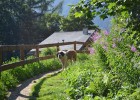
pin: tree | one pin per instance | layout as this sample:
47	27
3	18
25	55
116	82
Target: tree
19	19
105	8
50	23
71	23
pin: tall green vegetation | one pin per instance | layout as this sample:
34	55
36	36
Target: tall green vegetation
111	72
50	23
106	74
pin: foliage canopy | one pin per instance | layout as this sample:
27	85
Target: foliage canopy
126	8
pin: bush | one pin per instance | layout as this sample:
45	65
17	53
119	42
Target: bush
83	57
48	51
3	90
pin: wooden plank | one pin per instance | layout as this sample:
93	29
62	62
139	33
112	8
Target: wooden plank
1	56
57	47
77	42
30	46
47	57
1	61
17	64
55	44
10	47
17	47
37	51
74	45
31	61
22	52
84	51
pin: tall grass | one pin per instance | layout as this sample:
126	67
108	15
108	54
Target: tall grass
96	79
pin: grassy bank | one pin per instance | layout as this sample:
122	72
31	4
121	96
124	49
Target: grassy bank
111	72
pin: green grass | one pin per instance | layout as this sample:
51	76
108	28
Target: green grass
55	87
88	79
50	88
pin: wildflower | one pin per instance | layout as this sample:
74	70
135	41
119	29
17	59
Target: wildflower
105	47
114	39
91	50
101	42
119	39
106	32
133	49
113	45
95	36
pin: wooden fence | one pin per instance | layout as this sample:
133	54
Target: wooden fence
37	58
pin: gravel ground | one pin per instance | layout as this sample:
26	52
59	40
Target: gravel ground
22	92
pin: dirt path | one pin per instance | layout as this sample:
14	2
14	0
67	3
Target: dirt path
22	92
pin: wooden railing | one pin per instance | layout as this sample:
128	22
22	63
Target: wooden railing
22	48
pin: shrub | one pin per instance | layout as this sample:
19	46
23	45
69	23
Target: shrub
3	90
83	57
48	51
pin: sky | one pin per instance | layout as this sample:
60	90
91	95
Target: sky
103	24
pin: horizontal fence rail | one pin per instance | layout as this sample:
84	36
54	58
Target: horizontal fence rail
22	48
17	47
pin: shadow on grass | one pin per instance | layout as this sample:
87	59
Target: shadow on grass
37	87
16	93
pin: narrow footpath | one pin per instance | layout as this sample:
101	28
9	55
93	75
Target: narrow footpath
22	92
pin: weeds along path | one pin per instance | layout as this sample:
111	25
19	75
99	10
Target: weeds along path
22	92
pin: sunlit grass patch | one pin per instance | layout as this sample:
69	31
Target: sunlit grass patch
50	88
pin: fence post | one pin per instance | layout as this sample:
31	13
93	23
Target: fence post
1	61
21	52
37	51
74	45
58	47
1	56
